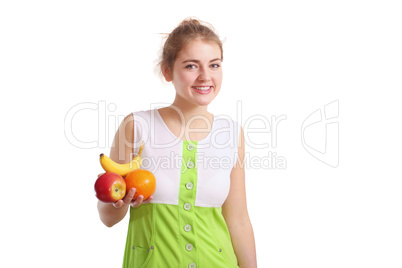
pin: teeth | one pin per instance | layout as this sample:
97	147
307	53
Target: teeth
202	88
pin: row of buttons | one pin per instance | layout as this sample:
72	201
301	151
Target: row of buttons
189	186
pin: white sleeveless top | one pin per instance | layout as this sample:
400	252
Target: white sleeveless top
163	152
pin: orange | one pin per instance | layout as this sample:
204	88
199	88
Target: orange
142	180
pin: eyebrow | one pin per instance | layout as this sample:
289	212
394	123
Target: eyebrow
191	60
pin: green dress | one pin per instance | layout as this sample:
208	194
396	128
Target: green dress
183	225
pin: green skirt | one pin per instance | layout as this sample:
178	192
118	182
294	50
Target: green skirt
161	235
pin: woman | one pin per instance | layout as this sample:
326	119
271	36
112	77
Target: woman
197	216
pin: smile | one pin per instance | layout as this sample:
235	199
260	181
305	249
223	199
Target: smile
203	90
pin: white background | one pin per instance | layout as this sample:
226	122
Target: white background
280	58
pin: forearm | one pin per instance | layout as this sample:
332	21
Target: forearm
242	236
110	215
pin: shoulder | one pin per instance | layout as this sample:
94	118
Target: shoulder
127	125
129	118
136	117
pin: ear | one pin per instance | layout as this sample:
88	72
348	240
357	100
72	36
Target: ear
167	74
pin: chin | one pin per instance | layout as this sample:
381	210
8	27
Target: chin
204	102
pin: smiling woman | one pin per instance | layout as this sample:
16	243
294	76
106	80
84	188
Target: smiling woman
196	74
191	59
187	31
197	216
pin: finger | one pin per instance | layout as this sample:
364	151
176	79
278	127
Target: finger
137	201
129	197
118	204
149	199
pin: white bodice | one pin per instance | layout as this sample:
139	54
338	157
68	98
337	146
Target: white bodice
163	155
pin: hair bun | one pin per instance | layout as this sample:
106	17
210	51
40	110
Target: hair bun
190	21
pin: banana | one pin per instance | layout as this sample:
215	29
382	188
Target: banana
122	169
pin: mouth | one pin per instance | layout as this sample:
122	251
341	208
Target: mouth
203	89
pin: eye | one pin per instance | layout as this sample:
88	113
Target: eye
190	66
215	65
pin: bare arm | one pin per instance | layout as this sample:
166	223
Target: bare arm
121	152
235	213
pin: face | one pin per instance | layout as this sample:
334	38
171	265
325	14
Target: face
197	73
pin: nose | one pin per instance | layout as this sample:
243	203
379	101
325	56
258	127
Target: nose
204	75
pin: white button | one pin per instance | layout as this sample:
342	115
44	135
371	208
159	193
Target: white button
189	247
189	185
192	265
190	164
187	206
190	147
187	228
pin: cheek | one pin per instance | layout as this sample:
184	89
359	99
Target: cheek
218	78
186	78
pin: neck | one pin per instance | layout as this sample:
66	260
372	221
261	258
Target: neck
181	115
188	110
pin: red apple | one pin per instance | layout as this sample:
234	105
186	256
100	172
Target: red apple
110	187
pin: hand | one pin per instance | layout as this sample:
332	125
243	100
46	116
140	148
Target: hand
128	200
